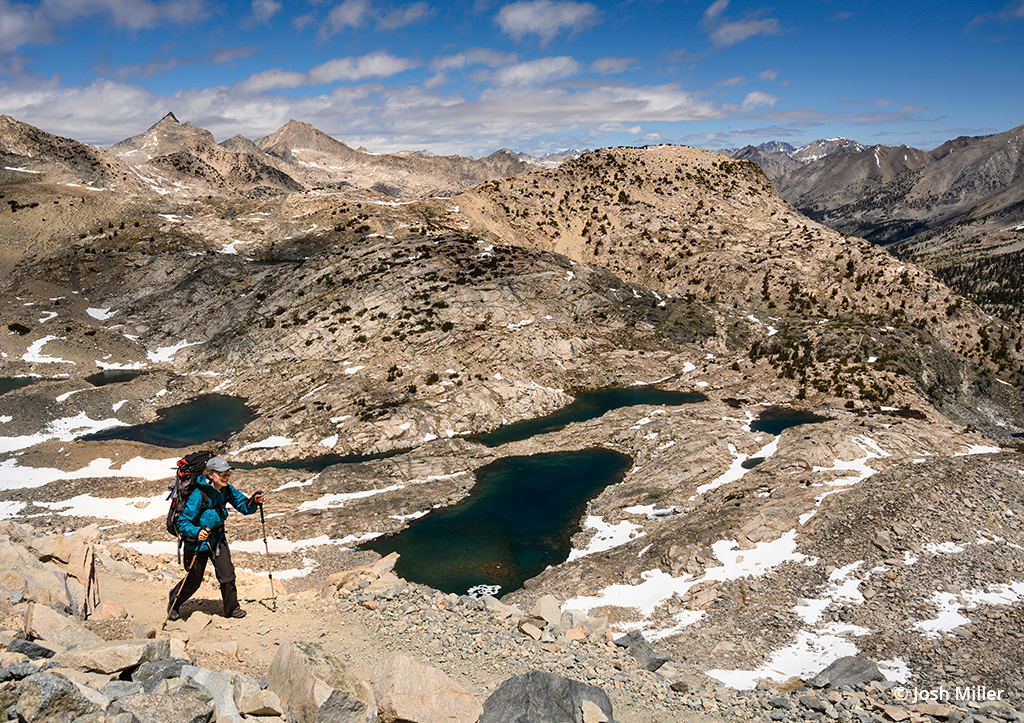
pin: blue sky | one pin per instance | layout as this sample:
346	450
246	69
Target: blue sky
532	75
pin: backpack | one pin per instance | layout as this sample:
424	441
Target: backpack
189	468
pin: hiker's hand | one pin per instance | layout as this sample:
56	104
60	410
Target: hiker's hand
258	497
204	535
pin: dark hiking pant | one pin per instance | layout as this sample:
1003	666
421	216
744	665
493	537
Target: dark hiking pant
195	563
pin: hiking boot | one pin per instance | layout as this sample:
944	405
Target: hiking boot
236	613
173	614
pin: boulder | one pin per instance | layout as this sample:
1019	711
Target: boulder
548	608
109	610
316	687
114	656
407	690
22	572
641	650
850	670
81	569
51	698
117	689
221	687
540	697
500	609
176	708
32	651
260	702
45	623
358	574
166	668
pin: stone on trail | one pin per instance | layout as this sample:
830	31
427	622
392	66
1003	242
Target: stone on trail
641	650
409	691
114	656
316	687
177	708
850	670
541	697
109	610
45	623
48	697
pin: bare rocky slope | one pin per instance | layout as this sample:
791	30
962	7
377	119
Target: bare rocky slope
957	210
356	323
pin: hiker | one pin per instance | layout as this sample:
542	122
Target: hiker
202	525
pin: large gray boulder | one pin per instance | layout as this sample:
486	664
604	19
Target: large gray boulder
641	650
49	698
45	623
540	697
850	670
408	691
316	687
21	571
223	687
146	708
114	656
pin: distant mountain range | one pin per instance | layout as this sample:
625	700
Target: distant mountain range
183	160
902	194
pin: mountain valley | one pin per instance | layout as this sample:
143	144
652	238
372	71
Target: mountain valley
404	304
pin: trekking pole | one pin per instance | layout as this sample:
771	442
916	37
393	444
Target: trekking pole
181	586
266	545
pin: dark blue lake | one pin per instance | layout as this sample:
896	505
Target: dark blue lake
322	462
9	384
515	522
775	419
588	405
210	418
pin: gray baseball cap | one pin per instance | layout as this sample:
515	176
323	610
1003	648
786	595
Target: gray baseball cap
217	464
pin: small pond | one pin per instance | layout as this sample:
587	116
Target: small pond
588	405
209	418
113	376
515	522
775	419
9	384
318	464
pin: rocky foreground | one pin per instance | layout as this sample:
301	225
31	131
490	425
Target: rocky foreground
369	646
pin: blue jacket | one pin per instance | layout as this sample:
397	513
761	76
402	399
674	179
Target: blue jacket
194	517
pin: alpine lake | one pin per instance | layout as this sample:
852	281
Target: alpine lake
521	513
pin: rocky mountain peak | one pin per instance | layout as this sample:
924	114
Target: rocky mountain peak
297	136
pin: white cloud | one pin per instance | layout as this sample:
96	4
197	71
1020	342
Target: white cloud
758	99
725	31
545	18
737	80
349	14
22	24
607	66
231	54
468	58
736	32
715	10
537	71
263	10
406	15
769	74
374	65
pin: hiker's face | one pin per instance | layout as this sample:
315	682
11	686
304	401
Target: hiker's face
219	479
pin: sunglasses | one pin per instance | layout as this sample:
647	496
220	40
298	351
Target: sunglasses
223	475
